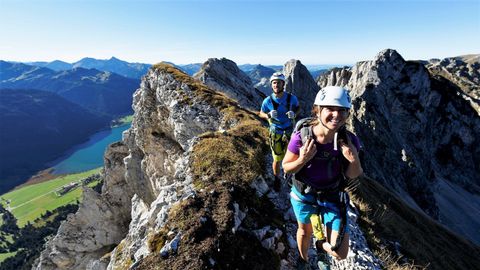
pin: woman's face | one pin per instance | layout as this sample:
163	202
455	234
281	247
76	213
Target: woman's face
333	117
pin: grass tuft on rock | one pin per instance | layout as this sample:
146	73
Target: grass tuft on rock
233	156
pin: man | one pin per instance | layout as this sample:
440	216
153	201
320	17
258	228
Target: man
280	109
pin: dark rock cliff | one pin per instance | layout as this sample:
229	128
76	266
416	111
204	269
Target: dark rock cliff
421	136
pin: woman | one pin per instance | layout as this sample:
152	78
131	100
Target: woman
319	168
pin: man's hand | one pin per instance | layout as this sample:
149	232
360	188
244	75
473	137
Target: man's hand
291	115
273	114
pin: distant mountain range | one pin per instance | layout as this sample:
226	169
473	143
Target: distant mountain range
190	69
100	91
115	65
249	67
37	127
137	70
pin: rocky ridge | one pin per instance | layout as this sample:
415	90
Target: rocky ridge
427	131
464	72
179	196
151	184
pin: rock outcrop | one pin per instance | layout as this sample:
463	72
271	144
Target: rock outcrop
225	76
463	71
99	225
335	77
300	82
420	136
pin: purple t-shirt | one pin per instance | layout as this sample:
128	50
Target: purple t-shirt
324	168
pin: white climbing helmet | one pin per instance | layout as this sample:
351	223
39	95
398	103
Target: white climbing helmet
277	76
333	96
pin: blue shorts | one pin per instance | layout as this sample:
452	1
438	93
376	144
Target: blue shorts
329	211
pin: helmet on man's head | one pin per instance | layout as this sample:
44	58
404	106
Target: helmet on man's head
333	96
277	76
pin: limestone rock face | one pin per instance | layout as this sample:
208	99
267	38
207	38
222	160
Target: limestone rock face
149	163
166	117
225	76
300	82
335	77
418	132
100	223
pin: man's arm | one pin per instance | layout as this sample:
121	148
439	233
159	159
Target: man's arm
263	115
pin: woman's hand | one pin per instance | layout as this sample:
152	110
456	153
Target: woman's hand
308	151
349	151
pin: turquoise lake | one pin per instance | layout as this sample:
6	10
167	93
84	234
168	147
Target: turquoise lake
88	155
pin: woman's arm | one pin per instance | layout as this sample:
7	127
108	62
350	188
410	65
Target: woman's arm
292	163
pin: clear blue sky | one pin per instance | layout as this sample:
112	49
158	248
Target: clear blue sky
267	32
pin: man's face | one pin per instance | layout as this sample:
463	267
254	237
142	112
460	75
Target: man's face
277	86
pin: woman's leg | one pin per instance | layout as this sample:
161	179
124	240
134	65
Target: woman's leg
333	220
303	208
342	252
304	234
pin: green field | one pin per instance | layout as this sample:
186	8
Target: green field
30	202
3	244
3	256
124	120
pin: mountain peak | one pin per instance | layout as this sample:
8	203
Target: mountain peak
389	55
225	76
114	59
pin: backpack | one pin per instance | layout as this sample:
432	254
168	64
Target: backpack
306	132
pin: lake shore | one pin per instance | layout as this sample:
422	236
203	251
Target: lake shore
39	177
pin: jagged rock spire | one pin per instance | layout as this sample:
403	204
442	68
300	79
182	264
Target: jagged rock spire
299	82
422	122
225	76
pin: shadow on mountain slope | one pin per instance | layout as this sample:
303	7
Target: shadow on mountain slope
400	235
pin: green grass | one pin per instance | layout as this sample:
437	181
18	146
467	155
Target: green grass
6	239
124	120
4	256
30	202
